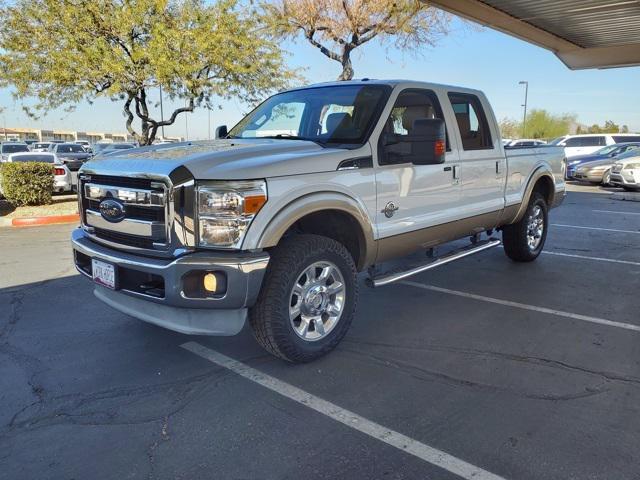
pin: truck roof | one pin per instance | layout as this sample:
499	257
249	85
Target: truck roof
390	82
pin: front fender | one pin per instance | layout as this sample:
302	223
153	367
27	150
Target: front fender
270	235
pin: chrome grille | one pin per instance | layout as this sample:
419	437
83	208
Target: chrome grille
146	205
617	168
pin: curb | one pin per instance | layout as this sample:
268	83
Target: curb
50	220
628	196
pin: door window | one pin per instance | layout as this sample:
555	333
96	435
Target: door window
411	105
472	122
626	138
596	141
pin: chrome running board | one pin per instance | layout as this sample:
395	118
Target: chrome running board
478	247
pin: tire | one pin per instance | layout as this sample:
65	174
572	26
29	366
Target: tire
277	327
515	237
606	179
629	189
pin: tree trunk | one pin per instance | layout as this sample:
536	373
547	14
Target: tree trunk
347	68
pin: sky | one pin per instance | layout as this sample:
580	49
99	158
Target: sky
469	56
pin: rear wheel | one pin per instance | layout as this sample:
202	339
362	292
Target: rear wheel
308	298
523	241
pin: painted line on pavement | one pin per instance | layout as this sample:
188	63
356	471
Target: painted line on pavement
596	228
598	259
621	213
524	306
352	420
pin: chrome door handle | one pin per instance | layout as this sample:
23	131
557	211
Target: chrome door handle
456	172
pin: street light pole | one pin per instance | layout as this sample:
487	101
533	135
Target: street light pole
526	95
209	127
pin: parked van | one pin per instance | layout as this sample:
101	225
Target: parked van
585	144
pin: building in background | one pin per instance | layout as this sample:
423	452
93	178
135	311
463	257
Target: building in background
22	134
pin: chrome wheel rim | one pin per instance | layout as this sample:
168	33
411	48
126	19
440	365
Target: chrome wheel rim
317	301
535	227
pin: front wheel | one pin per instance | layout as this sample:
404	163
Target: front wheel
523	241
308	298
606	179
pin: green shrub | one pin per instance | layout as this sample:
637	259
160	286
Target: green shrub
28	183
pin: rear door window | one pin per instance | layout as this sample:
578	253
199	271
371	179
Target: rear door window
472	122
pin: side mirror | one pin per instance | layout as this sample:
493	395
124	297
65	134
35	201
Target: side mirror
425	145
429	141
221	132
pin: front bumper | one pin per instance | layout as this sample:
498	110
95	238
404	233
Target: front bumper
594	176
626	178
153	289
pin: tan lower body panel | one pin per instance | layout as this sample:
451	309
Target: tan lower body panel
406	243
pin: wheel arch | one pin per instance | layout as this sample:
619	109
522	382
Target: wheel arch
331	214
541	181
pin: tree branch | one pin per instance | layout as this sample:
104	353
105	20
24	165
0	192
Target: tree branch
332	55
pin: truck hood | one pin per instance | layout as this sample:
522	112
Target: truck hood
231	159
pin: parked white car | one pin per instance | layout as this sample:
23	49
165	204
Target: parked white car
575	145
526	142
7	148
62	177
40	146
85	144
625	172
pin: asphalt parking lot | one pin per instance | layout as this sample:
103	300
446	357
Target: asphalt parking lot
516	371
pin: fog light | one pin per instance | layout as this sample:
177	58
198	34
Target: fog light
210	282
204	284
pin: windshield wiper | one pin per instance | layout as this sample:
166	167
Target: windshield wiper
287	136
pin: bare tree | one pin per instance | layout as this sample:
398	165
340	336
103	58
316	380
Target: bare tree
338	27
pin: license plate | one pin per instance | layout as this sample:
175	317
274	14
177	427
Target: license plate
103	273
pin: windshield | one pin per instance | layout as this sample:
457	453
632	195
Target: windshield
14	148
632	152
70	149
335	114
606	150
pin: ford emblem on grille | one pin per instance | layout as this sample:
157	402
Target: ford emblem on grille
112	210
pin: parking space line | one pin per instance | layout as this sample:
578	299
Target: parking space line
613	211
598	259
352	420
595	228
524	306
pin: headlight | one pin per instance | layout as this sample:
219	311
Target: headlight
632	166
225	211
575	162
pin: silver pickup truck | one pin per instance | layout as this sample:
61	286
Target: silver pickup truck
273	221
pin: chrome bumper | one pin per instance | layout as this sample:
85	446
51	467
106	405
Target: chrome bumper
219	315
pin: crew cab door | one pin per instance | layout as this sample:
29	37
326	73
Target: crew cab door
412	197
483	168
